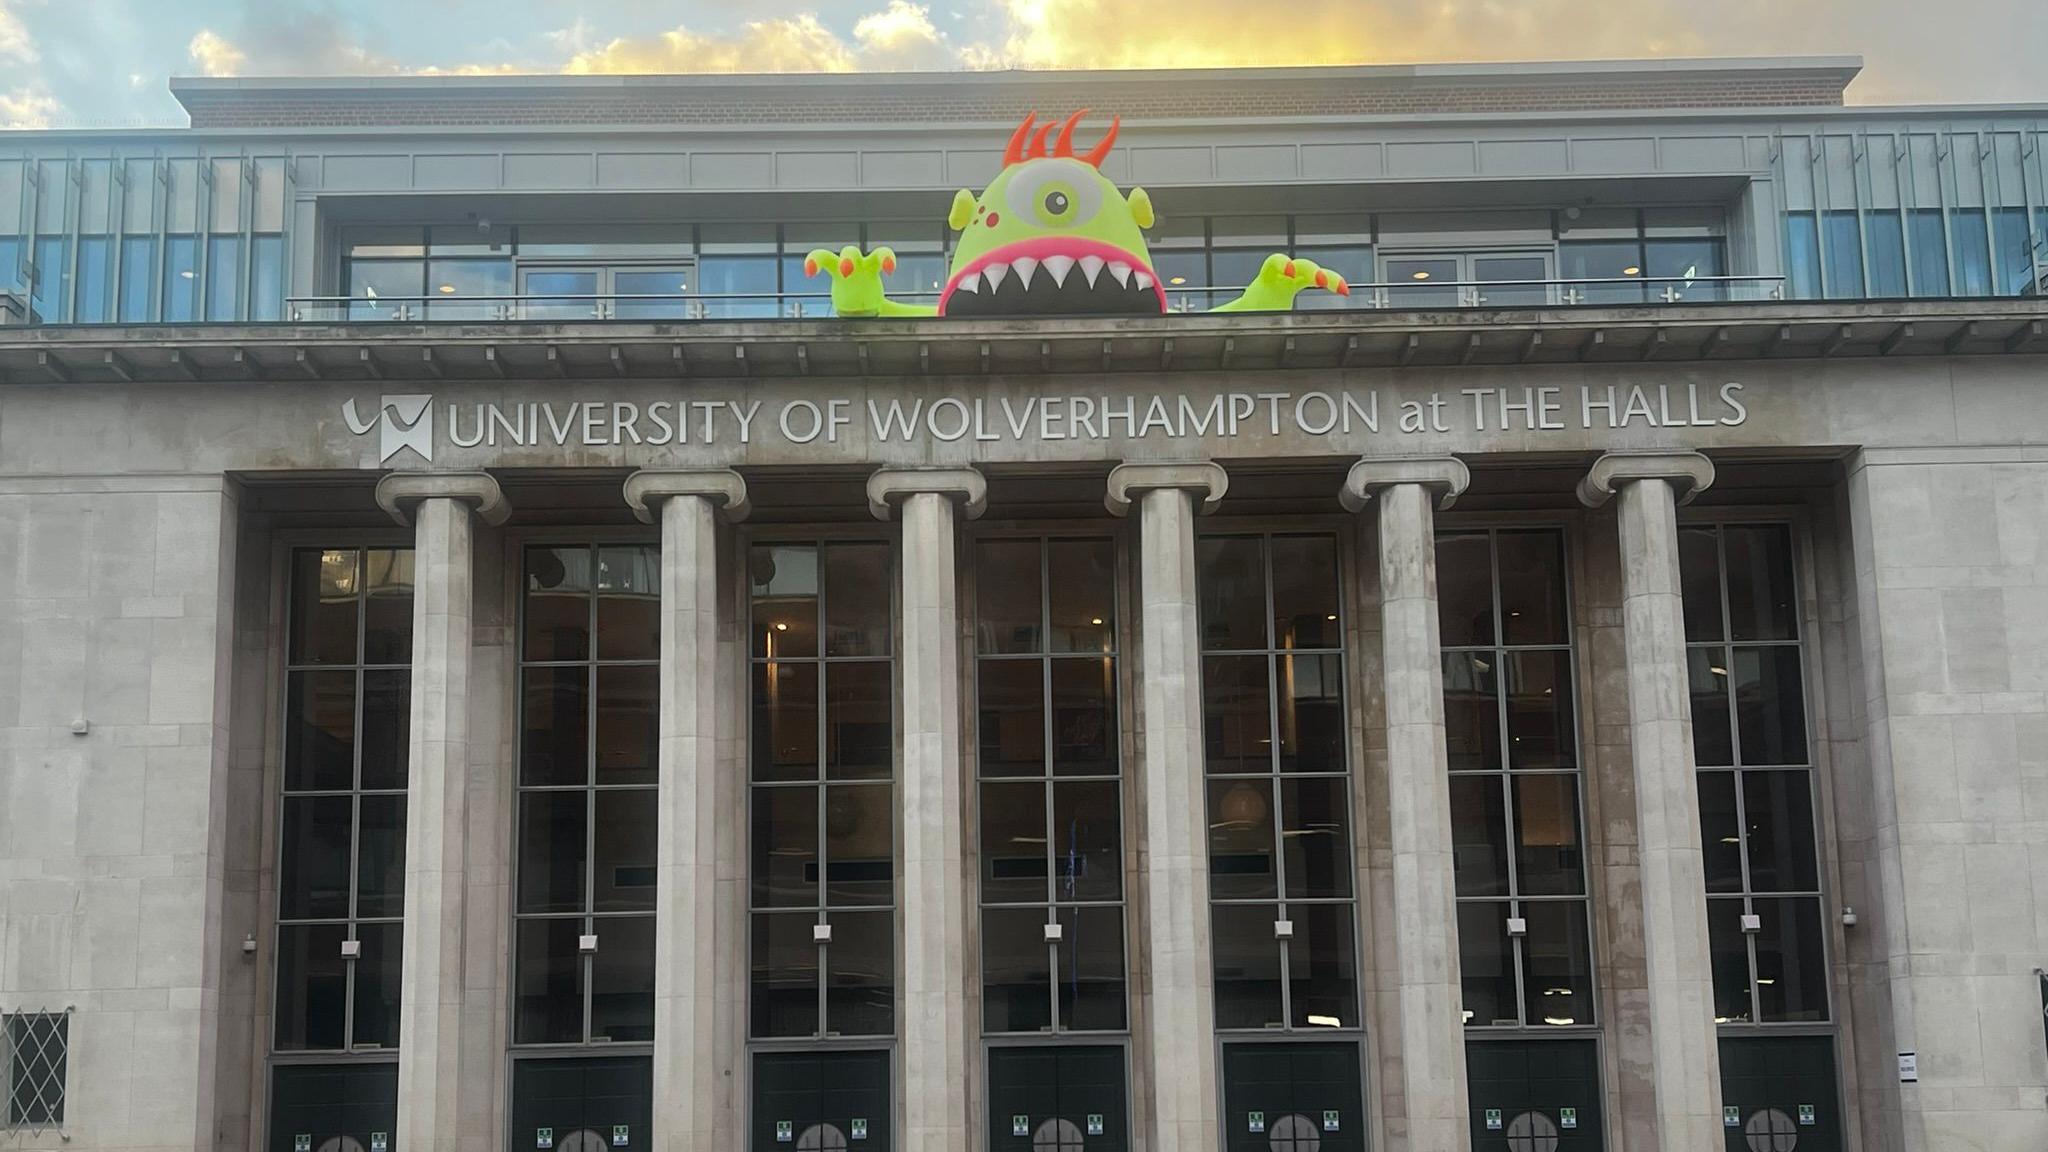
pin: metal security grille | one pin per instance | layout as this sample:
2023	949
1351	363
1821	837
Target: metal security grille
34	1061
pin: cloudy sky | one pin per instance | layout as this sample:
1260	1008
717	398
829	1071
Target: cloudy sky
102	63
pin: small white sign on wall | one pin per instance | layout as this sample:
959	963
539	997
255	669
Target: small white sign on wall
1909	1067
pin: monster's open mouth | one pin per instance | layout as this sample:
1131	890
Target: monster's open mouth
1055	276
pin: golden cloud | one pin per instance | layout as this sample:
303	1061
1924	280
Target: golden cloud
215	55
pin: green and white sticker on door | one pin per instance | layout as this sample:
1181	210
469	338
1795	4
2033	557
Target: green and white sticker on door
303	1142
543	1137
860	1129
1567	1117
622	1135
1255	1121
1493	1119
1095	1123
1020	1125
785	1131
1731	1116
1330	1120
379	1142
1806	1116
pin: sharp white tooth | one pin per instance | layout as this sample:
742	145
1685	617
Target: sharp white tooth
969	283
1026	268
1144	282
1057	267
1122	272
1091	267
995	274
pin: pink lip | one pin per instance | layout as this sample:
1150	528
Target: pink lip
1039	247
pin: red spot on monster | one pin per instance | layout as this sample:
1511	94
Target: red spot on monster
1343	289
845	266
810	267
994	218
1289	270
888	263
1322	279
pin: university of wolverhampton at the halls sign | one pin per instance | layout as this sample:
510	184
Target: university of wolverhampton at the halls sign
1050	236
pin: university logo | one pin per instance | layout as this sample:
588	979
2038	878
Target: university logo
404	421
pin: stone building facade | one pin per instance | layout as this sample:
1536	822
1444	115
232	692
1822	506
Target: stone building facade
487	660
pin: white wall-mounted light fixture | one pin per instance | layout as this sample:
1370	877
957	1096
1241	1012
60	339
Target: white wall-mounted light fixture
587	942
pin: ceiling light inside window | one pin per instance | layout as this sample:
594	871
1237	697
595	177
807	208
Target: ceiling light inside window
1421	276
1177	280
447	289
1631	270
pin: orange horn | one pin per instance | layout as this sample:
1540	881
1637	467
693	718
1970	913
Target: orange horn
1037	146
1100	152
1065	145
1015	152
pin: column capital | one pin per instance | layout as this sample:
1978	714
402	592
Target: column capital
1446	476
1689	473
724	487
1204	476
399	492
888	487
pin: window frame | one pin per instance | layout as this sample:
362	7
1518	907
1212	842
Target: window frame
18	1124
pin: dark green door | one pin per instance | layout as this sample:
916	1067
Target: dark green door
1292	1098
1057	1100
1783	1091
811	1101
583	1104
333	1107
1534	1095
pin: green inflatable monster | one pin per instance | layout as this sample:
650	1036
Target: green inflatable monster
1050	236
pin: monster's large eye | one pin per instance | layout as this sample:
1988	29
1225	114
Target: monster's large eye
1055	193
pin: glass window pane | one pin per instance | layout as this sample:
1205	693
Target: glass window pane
1778	807
628	723
784	583
266	278
1791	964
1614	265
1426	282
1479	835
785	739
1471	711
1013	847
1091	967
1010	700
312	878
1970	249
95	304
1770	708
1322	966
1802	256
377	985
860	839
1885	236
1232	582
1084	726
1486	965
1315	832
380	858
1087	841
387	605
1713	741
1008	591
784	988
1305	592
785	847
1237	728
380	289
1498	279
1720	832
857	599
320	731
622	979
1550	858
1187	277
223	277
312	987
1247	960
860	734
1762	601
1464	590
557	624
462	289
1699	573
1083	595
553	847
323	606
180	295
1728	950
51	291
737	286
860	974
1557	964
547	1005
2015	252
138	271
1929	253
1532	588
549	294
1311	714
1541	733
1685	270
623	851
629	602
555	741
1241	861
1016	970
1844	255
1353	263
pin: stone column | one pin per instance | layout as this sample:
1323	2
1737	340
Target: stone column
1432	1029
440	506
1182	1020
936	1031
691	1066
1686	1071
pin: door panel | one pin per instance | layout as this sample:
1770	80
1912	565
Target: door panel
1544	1094
580	1103
1060	1093
1784	1093
559	293
1293	1098
821	1101
334	1107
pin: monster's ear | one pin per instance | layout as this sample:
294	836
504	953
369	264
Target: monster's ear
1141	207
963	209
